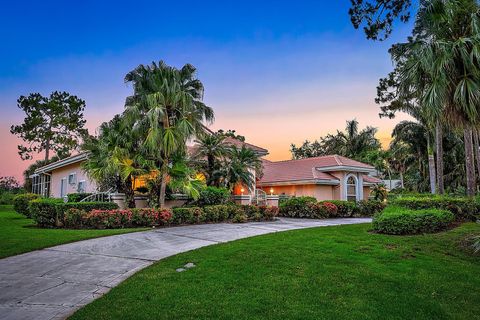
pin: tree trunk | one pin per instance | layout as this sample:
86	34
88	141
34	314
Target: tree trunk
47	150
431	166
439	149
469	162
401	180
476	146
163	188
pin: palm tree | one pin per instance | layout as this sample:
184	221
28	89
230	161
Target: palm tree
115	157
167	109
352	143
213	148
443	57
239	166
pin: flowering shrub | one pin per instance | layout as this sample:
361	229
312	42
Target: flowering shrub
330	209
268	213
107	219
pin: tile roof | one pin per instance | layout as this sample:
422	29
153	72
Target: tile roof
238	143
306	169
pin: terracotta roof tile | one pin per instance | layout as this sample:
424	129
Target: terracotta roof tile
305	169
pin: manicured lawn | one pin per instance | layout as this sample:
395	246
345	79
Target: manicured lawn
324	273
19	234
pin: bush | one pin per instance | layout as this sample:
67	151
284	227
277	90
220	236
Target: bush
213	196
45	212
345	209
187	215
238	215
216	213
74	218
368	208
268	213
85	206
77	197
464	209
110	219
397	220
21	203
296	207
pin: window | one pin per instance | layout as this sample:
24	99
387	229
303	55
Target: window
351	189
81	186
72	178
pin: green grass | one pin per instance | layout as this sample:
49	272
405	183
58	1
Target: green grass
19	234
340	272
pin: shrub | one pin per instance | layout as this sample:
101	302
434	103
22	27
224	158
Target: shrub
77	197
296	207
345	209
397	220
464	209
117	218
252	212
187	215
45	212
21	203
368	208
85	206
217	213
213	196
239	218
74	218
268	213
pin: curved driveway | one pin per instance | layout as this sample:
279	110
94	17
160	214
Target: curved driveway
52	283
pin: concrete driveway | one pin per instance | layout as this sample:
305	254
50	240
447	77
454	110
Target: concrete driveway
52	283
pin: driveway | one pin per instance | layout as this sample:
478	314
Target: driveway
52	283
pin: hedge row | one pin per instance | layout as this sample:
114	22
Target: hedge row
398	220
309	207
107	219
464	209
49	212
21	203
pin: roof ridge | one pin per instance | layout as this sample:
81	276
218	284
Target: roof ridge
310	158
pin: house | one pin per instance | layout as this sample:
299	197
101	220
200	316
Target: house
331	177
62	177
326	178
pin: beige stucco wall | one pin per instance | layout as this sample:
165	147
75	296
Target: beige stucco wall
63	172
320	192
366	192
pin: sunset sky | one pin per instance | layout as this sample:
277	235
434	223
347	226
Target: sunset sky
278	72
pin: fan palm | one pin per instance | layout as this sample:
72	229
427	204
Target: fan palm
213	148
166	108
117	155
442	61
239	167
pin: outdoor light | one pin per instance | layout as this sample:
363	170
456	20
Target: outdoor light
271	191
242	190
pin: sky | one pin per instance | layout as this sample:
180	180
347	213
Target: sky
277	72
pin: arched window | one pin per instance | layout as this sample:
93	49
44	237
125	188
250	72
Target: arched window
352	188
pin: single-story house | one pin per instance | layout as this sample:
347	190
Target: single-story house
331	177
325	178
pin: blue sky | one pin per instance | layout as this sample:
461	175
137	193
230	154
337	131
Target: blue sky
276	71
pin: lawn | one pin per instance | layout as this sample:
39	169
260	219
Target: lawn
340	272
19	234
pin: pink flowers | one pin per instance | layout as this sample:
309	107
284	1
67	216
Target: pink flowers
118	218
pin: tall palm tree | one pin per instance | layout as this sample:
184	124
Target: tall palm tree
444	55
167	108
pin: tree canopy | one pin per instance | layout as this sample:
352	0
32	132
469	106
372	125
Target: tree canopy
53	123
